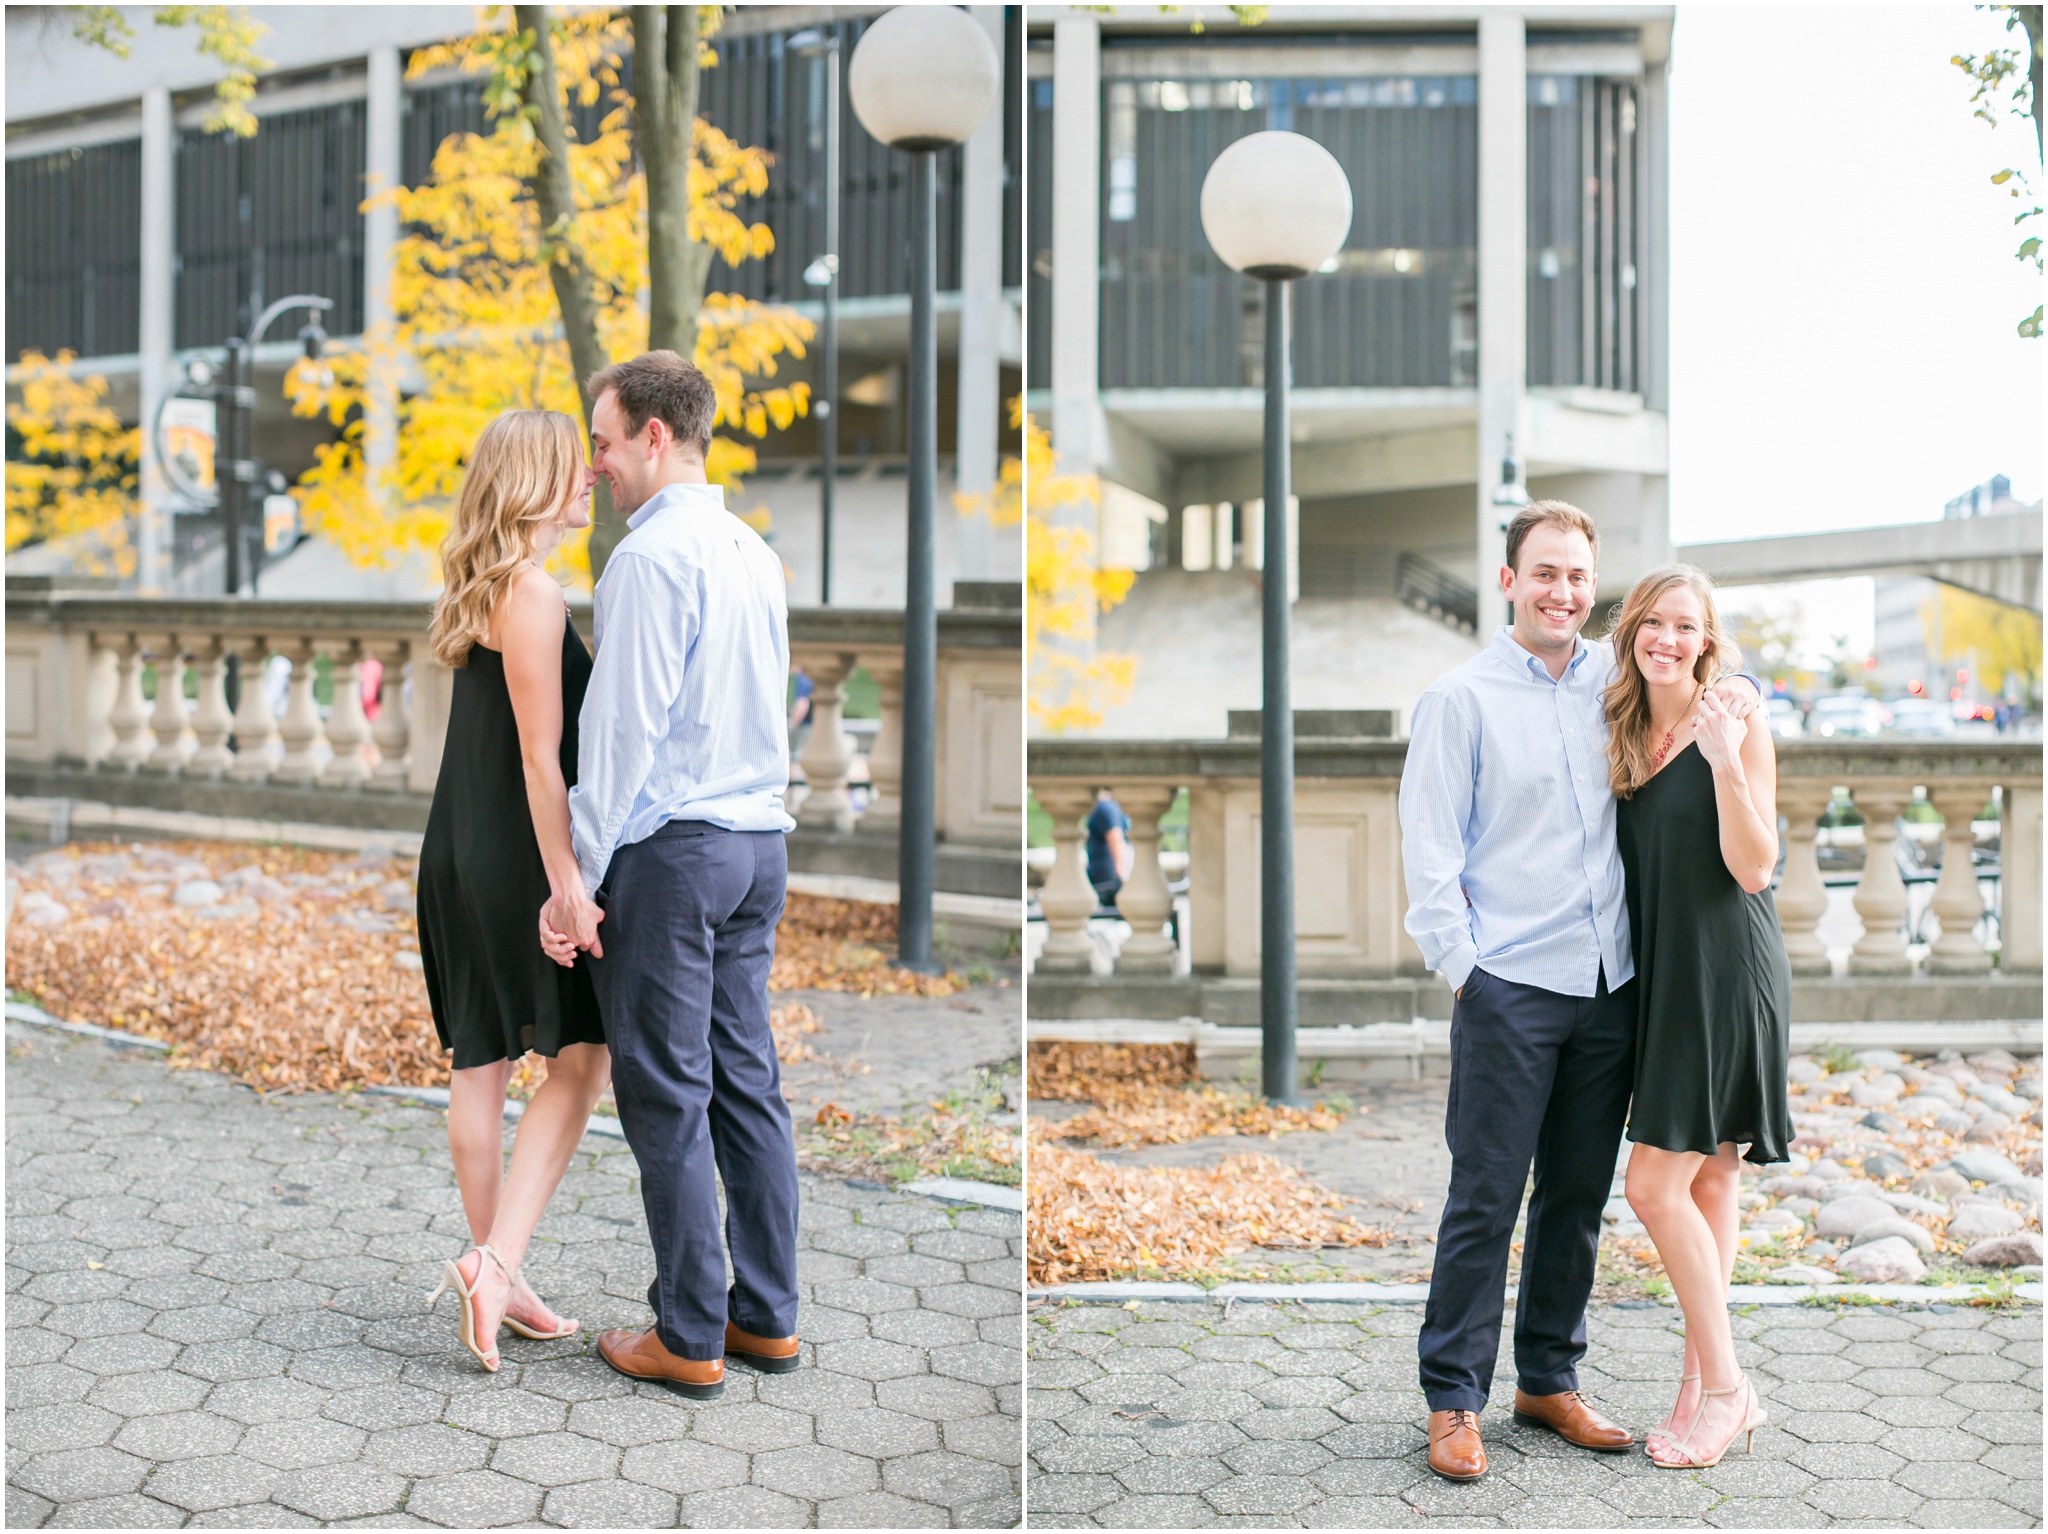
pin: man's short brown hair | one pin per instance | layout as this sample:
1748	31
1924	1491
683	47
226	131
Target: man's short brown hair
1561	515
661	384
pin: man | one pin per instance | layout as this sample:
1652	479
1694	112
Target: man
1516	898
677	815
1109	847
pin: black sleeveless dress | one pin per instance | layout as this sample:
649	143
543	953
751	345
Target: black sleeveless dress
1713	986
495	994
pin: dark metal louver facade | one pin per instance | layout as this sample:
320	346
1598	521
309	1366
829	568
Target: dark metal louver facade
262	217
74	251
1586	315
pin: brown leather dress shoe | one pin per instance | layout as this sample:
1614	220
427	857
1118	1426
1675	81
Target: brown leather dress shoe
771	1355
641	1356
1455	1452
1574	1419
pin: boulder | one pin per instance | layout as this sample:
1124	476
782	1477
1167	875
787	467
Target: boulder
1885	1230
2016	1250
1881	1121
1982	1218
1943	1088
405	958
195	892
2021	1190
2029	1087
1942	1185
1955	1122
1883	1165
1780	1219
1797	1165
1988	1130
1794	1187
1846	1216
1857	1188
1983	1166
1875	1094
1891	1260
1880	1059
39	910
1827	1170
1802	1207
1800	1273
1993	1060
2011	1104
1805	1070
1912	1203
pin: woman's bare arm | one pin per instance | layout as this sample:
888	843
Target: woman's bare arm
529	626
1745	792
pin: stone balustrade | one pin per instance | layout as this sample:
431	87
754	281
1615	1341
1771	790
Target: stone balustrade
1349	893
78	717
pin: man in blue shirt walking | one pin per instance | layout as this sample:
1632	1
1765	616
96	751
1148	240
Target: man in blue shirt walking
1515	897
678	822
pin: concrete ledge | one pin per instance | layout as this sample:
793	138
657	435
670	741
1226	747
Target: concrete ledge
57	818
991	872
1418	1294
960	1190
1422	1046
36	1017
1326	1003
360	810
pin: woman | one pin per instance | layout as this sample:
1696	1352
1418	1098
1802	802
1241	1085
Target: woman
497	847
1697	823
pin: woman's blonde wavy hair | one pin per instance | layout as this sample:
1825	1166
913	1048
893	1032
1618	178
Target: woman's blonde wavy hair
1627	698
521	473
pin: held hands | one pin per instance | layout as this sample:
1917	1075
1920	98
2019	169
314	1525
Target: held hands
569	922
1739	697
1720	731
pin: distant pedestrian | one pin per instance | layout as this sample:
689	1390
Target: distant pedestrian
1109	847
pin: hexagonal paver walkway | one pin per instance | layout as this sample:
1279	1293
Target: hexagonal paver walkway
1309	1416
216	1317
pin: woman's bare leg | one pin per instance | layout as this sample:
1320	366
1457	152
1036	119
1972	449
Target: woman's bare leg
1660	1192
476	1146
549	1132
1714	1189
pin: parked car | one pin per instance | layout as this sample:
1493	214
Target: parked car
1849	713
1924	717
1784	714
1967	710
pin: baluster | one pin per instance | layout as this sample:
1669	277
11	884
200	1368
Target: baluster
1881	893
211	721
300	730
1068	899
129	717
828	753
256	744
1802	899
2019	877
885	758
393	732
1145	901
170	721
348	727
1957	900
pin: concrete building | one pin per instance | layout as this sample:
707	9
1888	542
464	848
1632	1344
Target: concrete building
1502	296
137	240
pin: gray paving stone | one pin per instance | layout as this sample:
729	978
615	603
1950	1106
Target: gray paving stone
476	1499
180	1435
41	1429
127	1512
302	1443
206	1485
609	1505
132	1353
554	1459
884	1510
742	1507
948	1480
72	1475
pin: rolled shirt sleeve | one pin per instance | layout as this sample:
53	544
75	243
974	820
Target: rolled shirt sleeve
645	621
1436	811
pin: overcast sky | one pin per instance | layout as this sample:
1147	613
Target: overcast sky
1843	288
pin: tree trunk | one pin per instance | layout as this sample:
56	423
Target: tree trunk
665	78
568	272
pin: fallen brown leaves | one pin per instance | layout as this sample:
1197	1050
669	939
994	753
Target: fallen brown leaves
309	988
844	945
947	1142
1065	1071
1091	1220
1152	1094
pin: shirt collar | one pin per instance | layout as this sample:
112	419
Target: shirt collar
1505	646
711	497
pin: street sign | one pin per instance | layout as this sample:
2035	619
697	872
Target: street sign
189	433
280	523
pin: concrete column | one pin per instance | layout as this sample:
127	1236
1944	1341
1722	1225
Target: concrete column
1880	893
981	319
1503	279
1145	899
1802	898
1957	900
2019	883
159	251
1068	899
384	165
1076	238
1653	277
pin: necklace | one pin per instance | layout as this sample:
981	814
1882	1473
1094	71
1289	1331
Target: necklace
1664	750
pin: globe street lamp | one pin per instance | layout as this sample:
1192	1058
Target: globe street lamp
1276	206
821	43
921	79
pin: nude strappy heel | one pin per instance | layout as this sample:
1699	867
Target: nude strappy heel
1664	1432
451	1278
568	1328
1756	1418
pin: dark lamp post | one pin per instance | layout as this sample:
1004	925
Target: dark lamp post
921	79
1276	206
817	42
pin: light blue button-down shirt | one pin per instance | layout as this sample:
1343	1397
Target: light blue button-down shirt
1504	800
683	719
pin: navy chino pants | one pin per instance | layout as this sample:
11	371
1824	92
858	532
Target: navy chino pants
1535	1077
688	935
